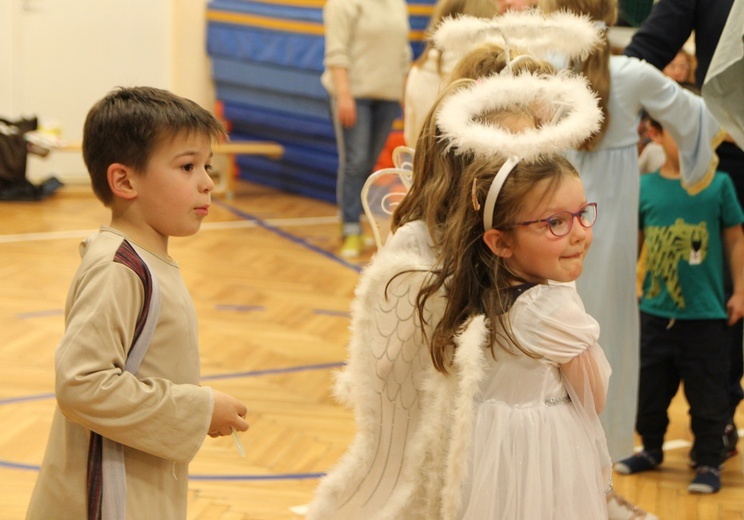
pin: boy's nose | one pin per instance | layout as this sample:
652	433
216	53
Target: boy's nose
208	183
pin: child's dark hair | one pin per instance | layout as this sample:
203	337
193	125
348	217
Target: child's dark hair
475	280
129	123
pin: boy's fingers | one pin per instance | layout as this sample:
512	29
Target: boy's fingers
241	424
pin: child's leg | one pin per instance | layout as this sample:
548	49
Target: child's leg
659	381
705	372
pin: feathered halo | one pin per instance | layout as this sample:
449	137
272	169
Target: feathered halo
568	108
572	35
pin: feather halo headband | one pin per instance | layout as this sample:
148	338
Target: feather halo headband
574	36
568	114
570	108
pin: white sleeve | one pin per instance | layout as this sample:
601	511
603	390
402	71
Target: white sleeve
685	116
554	324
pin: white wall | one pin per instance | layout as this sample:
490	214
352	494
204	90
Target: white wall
58	57
5	59
192	74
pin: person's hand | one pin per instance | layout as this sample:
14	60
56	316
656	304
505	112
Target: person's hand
735	307
346	107
228	413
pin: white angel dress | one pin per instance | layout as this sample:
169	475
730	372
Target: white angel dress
526	442
386	472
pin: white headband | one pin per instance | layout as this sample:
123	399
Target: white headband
495	189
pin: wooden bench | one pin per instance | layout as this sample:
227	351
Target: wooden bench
229	149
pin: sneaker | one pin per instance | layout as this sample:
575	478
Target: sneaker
642	461
618	508
352	246
707	480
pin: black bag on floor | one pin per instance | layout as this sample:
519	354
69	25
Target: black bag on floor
13	158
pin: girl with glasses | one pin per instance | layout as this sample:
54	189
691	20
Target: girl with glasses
529	375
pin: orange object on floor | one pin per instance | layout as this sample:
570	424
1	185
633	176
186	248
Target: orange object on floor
385	160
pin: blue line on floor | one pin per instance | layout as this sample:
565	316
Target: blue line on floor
286	476
327	312
15	465
292	238
239	308
233	375
38	397
254	373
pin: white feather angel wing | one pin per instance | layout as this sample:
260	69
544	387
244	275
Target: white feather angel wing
385	381
381	193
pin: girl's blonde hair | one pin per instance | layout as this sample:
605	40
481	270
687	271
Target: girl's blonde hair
474	279
448	8
489	58
596	67
435	166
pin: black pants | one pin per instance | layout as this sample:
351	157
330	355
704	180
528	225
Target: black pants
736	352
732	162
697	353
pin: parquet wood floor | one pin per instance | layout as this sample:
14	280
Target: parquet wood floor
272	299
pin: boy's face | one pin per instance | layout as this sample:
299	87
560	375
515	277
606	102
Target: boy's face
662	137
174	193
679	68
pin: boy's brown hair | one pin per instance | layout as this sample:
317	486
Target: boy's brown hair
128	124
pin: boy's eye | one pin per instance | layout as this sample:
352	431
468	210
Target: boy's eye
208	167
187	167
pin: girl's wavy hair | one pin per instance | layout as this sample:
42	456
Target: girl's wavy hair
596	67
473	278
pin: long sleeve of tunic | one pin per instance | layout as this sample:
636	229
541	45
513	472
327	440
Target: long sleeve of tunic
370	39
161	415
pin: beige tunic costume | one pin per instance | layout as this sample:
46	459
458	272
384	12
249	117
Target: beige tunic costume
161	416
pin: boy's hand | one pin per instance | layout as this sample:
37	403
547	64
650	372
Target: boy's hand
735	308
228	413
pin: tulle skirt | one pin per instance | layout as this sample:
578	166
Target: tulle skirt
533	463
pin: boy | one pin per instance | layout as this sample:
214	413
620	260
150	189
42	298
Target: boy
684	315
148	154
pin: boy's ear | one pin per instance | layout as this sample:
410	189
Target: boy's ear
498	242
120	181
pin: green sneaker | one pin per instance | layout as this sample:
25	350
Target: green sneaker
352	246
